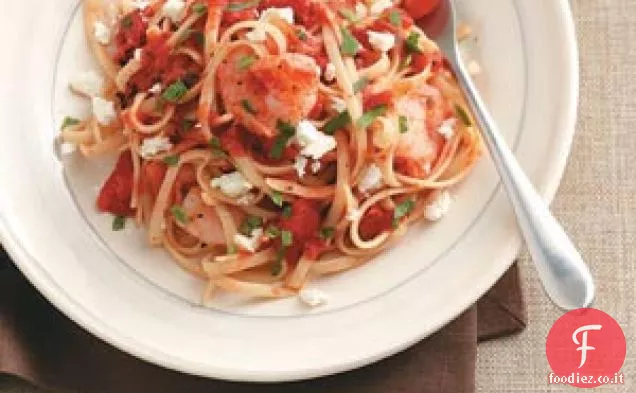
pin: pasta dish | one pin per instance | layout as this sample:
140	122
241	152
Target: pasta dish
265	143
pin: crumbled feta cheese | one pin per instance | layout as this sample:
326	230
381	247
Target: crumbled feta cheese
174	9
249	243
318	70
315	167
232	184
313	297
88	83
330	72
439	207
382	42
101	32
371	179
361	10
137	54
245	200
354	215
141	4
473	68
447	128
103	110
285	13
256	35
300	165
378	6
315	144
338	104
156	88
155	145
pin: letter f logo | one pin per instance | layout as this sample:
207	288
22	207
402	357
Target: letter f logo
583	344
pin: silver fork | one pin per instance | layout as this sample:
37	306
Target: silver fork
565	276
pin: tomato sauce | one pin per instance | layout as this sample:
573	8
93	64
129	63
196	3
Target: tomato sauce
130	35
375	99
152	174
304	224
375	221
116	193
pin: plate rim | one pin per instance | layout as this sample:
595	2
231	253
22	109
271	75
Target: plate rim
71	309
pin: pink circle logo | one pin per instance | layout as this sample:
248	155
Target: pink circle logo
586	348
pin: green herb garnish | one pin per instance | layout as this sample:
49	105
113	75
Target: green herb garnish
285	132
175	91
277	198
188	124
404	124
341	120
272	232
242	5
360	85
287	211
247	105
215	145
198	37
179	214
245	62
277	267
301	35
69	121
413	43
171	160
395	18
369	117
402	210
119	223
350	46
463	115
287	238
249	224
349	15
406	61
199	8
232	249
126	22
327	232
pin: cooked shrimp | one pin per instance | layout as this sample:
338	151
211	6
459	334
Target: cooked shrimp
203	222
275	87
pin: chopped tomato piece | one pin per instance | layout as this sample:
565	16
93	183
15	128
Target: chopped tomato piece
152	174
309	13
186	179
231	142
410	167
420	8
130	35
423	60
232	17
374	99
116	193
314	248
304	224
366	58
375	221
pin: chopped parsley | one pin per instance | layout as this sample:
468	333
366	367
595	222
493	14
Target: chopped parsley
287	211
404	124
287	238
413	43
240	6
126	22
341	120
285	132
406	61
272	232
277	267
179	214
199	8
349	15
119	223
188	124
350	46
395	18
277	198
402	210
215	145
245	62
463	116
301	35
247	105
249	224
327	232
69	121
175	91
171	160
198	37
232	249
360	85
369	117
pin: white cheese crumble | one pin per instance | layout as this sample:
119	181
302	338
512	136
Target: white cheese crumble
137	54
285	13
379	6
330	72
300	164
315	167
439	207
153	146
256	35
338	104
245	200
371	179
382	42
232	184
174	10
141	4
447	128
103	110
249	243
313	297
361	10
354	215
156	88
101	32
88	83
315	144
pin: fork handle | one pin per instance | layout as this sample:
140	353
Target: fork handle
565	276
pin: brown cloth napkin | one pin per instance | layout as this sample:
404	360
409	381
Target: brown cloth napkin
41	345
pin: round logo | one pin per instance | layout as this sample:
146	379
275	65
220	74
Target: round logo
585	348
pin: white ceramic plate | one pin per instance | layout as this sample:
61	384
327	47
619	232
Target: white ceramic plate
138	300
